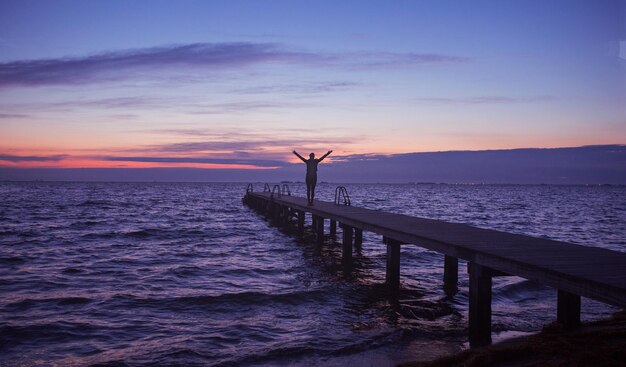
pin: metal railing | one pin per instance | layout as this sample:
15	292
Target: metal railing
249	188
285	190
266	188
276	190
341	196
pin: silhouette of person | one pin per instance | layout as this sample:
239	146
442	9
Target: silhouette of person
311	173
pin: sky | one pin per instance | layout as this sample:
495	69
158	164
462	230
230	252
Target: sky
237	85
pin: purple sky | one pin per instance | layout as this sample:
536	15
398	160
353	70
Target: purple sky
228	86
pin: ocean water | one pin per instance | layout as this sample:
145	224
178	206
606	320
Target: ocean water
138	274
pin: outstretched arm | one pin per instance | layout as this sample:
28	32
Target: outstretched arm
325	155
299	156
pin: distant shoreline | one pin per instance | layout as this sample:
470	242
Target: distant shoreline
324	183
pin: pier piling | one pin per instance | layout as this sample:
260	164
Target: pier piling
346	249
568	309
300	223
319	229
392	273
450	273
358	238
479	305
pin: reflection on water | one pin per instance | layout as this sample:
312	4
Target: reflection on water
146	273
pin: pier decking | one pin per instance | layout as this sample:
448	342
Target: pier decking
573	270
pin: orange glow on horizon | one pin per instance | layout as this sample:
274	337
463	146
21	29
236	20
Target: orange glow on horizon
92	163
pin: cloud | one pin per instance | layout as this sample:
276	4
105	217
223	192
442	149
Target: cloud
117	64
31	158
247	145
231	107
125	64
235	161
12	115
229	133
486	100
134	103
231	147
304	88
117	102
385	59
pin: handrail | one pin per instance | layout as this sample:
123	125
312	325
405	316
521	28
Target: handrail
266	188
276	189
285	190
249	188
341	194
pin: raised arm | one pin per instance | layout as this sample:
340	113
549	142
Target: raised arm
325	155
299	156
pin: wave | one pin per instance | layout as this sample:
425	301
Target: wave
186	270
85	223
156	233
520	291
222	300
71	271
170	233
56	332
142	233
23	233
30	303
274	354
99	203
13	260
111	364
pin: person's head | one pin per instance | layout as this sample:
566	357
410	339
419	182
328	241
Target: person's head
312	155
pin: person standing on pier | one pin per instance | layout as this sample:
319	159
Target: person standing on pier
311	173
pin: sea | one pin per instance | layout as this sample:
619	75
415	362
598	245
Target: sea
183	274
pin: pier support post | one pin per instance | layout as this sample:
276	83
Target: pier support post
319	229
267	211
479	305
333	228
358	237
346	248
450	273
263	207
568	309
300	223
392	275
282	215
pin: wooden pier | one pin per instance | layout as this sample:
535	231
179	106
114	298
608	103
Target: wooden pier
573	270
